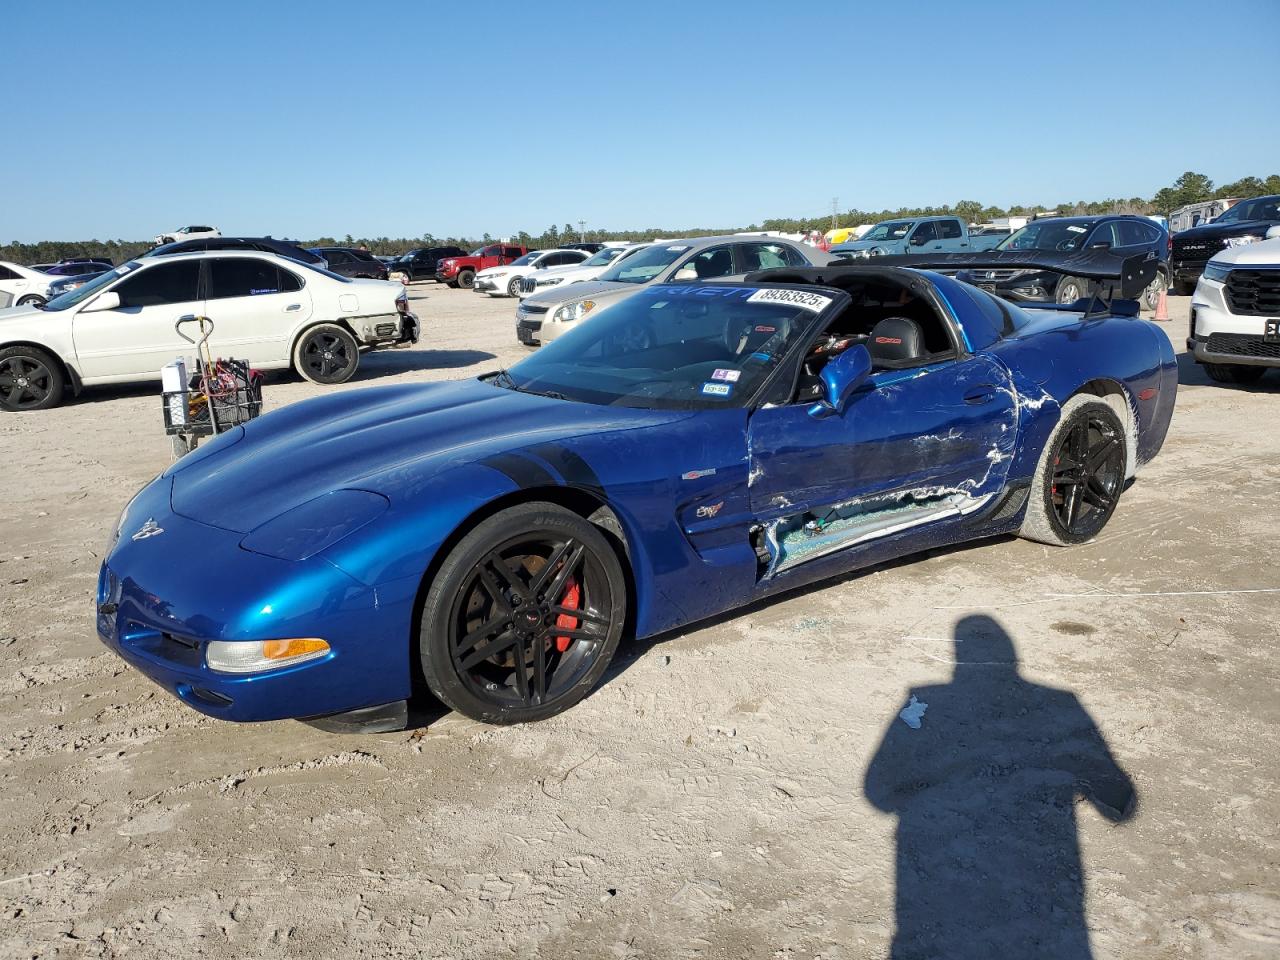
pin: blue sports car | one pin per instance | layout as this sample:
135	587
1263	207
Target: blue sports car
689	450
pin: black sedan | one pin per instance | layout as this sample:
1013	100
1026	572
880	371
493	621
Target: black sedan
350	262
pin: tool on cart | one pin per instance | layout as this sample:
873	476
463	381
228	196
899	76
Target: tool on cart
215	396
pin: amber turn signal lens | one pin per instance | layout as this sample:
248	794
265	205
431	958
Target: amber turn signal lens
284	649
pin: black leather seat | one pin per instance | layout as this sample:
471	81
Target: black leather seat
896	342
719	264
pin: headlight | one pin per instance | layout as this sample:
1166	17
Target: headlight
1241	241
315	525
573	311
1216	271
251	656
550	283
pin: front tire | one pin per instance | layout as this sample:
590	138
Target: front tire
326	354
513	288
1234	372
1070	289
30	379
1183	289
466	278
32	300
523	616
1080	477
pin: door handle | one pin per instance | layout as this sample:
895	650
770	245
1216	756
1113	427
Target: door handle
293	306
983	393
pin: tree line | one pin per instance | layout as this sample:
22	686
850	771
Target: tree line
1191	187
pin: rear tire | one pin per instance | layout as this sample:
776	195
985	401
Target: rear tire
326	354
1234	372
1151	295
497	641
30	379
466	278
1080	476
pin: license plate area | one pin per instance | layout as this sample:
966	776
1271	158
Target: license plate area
1271	332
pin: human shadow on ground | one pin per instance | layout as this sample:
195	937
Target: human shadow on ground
983	774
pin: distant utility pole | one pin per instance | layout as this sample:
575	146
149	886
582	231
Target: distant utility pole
582	230
835	205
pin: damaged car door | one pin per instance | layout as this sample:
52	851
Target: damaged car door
907	449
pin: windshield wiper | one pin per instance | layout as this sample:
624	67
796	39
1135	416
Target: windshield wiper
545	393
503	379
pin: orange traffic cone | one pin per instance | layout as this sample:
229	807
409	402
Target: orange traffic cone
1162	306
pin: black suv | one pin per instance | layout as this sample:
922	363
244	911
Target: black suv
266	244
1193	248
349	262
1124	235
590	246
420	264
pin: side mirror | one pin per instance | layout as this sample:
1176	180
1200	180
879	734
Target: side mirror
1273	233
1100	245
103	301
840	378
687	272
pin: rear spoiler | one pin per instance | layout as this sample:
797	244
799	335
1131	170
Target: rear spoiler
1117	277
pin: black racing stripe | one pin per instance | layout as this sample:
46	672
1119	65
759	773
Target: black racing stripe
522	471
569	465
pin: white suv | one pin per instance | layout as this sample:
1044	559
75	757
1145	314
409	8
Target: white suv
267	309
1235	312
188	233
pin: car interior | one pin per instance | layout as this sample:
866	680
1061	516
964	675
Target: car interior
899	329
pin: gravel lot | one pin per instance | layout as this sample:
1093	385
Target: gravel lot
742	789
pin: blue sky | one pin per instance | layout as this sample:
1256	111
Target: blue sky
462	117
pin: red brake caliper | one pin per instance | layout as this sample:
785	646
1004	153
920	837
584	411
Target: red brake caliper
572	597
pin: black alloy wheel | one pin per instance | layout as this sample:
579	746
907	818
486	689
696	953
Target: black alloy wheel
29	380
466	278
524	616
1088	473
327	354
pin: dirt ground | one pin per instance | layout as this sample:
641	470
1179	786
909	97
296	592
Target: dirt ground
743	789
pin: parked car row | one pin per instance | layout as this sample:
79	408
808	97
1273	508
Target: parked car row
271	310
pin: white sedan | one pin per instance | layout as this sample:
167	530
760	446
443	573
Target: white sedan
504	281
274	312
23	286
578	272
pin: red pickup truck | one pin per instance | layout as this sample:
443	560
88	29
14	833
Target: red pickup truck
461	271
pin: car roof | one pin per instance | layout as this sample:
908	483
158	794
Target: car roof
221	254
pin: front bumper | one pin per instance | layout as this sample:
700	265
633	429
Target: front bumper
528	332
487	285
1186	271
1219	336
161	599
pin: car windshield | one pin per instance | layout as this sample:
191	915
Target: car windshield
673	347
1261	208
527	259
80	294
478	251
603	258
1047	235
648	263
890	230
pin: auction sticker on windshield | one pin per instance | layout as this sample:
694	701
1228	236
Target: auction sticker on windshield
717	389
814	302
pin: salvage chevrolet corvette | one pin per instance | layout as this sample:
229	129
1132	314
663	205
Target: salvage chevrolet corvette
689	450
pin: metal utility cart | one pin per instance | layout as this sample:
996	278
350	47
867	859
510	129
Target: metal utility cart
211	399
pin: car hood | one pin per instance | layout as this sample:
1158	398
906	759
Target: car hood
1264	253
389	440
19	314
580	291
1210	231
857	245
